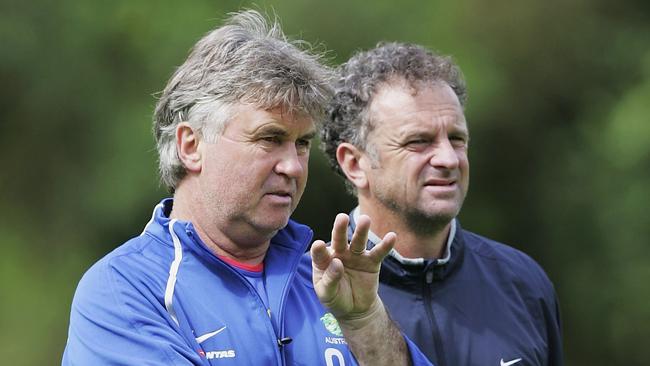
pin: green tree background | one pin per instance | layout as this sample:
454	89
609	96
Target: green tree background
558	111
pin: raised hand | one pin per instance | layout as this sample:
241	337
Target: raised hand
346	276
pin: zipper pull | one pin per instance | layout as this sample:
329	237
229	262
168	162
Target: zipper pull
284	341
429	276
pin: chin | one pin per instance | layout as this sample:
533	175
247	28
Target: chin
272	225
440	214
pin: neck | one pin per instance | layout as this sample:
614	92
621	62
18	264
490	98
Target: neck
410	244
222	239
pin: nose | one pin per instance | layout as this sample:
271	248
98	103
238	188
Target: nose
291	163
444	156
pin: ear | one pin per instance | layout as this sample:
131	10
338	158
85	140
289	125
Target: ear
351	160
187	147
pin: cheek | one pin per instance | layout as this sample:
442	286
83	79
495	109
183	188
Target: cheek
302	180
416	168
234	171
464	171
464	163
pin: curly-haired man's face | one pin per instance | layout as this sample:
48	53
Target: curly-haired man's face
418	149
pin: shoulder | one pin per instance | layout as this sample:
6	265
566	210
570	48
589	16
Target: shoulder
140	263
118	312
139	254
494	250
517	264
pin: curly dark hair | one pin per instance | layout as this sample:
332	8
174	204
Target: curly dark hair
358	81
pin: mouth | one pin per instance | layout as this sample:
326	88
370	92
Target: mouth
441	187
282	192
440	183
280	196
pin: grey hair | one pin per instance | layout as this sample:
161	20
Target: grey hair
247	61
359	79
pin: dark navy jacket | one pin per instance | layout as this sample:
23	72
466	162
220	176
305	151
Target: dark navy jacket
490	304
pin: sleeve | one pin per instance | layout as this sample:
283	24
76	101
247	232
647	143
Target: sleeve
115	322
554	331
551	315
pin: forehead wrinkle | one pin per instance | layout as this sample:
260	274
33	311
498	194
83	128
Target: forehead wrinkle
380	112
423	125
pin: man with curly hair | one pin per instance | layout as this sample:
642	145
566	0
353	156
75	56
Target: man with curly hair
397	133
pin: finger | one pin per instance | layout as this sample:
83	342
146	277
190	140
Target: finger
340	233
360	235
320	256
329	282
381	250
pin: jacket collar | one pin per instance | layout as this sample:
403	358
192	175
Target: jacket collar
397	268
293	238
373	240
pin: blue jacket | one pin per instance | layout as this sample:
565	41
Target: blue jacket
163	298
490	304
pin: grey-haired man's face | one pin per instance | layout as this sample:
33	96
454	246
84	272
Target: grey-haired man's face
254	173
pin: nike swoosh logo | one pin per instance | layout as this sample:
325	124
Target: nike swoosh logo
510	362
207	336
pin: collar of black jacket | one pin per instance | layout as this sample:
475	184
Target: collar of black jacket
419	271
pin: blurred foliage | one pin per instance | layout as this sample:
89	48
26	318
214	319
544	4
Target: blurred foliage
558	111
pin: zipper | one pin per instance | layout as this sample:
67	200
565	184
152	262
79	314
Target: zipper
278	354
267	311
435	331
283	339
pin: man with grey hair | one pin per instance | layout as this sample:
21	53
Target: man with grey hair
397	133
219	275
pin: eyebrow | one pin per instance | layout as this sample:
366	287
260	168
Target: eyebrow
405	134
309	135
461	131
277	131
427	132
270	130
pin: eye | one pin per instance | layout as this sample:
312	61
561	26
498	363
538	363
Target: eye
417	143
303	145
273	139
458	140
